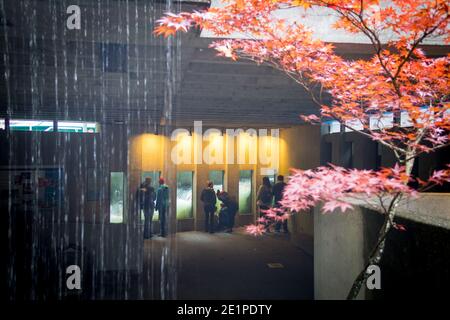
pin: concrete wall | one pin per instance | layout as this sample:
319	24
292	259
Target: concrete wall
338	252
343	241
299	149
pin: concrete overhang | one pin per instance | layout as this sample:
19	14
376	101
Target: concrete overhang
320	21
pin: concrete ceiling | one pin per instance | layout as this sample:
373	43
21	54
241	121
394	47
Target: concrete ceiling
56	73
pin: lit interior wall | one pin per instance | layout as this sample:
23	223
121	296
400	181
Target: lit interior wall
247	159
146	156
182	145
300	149
229	152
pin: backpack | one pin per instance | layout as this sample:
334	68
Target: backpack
141	195
266	196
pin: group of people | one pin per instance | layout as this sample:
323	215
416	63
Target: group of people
227	212
149	201
269	196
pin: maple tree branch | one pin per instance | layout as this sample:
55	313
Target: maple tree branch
298	78
397	150
374	39
380	198
431	150
354	17
414	46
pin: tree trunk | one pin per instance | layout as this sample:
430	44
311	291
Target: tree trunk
374	259
377	252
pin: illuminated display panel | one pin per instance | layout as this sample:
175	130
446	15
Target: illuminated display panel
245	191
184	194
116	202
217	178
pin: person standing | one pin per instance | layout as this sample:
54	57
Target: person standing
162	205
147	198
278	190
264	199
233	208
209	199
223	217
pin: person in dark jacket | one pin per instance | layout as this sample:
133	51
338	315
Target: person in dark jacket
147	200
278	190
264	199
233	208
209	199
230	207
223	217
162	205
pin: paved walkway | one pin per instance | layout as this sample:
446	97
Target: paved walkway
227	266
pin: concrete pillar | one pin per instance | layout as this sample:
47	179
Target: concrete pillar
338	253
299	148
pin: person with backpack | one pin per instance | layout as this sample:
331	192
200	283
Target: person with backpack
162	205
264	199
278	190
223	217
228	211
233	208
147	201
209	199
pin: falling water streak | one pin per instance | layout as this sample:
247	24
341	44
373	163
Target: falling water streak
6	61
177	79
54	220
169	259
129	135
34	63
66	154
149	105
168	95
102	148
128	123
24	44
144	83
153	73
67	76
175	261
96	162
6	74
41	219
84	50
80	183
164	254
